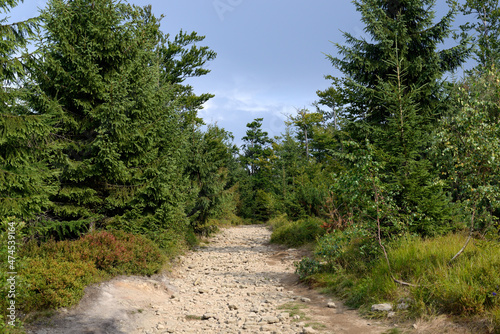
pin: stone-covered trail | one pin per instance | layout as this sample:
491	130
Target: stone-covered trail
237	283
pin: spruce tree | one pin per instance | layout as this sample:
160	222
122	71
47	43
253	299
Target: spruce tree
24	178
393	94
407	25
123	118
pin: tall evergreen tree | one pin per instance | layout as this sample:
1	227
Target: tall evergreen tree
256	148
24	178
410	25
393	94
110	79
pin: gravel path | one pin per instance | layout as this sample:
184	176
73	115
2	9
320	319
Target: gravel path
237	283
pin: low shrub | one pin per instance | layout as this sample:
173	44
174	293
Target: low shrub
278	221
114	252
52	283
299	232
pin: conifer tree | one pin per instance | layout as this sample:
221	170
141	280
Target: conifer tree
393	94
24	178
113	82
409	24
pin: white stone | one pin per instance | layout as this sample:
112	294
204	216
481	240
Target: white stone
382	307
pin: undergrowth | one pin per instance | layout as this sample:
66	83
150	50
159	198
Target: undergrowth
348	265
296	233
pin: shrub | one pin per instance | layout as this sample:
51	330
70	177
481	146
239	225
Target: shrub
278	221
52	283
114	252
354	247
298	233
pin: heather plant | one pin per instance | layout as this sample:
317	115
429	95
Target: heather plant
53	283
113	252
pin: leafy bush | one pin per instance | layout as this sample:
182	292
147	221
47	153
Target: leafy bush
114	252
307	267
278	221
299	232
354	247
52	283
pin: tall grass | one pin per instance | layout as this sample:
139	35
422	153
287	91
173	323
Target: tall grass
468	288
296	233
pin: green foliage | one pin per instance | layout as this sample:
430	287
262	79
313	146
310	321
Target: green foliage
467	149
298	233
257	160
114	252
24	179
484	30
104	131
207	170
346	249
307	267
256	147
305	122
409	26
54	283
467	288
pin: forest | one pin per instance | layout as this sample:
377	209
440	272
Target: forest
392	177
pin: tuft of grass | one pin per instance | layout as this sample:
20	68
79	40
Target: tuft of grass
294	309
297	233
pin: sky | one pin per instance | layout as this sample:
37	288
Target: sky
271	54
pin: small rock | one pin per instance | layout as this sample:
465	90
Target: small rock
391	314
305	300
160	326
283	316
415	326
232	307
296	317
208	316
270	319
382	307
332	305
403	306
309	330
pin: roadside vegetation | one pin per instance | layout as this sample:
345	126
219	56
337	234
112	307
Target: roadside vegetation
392	179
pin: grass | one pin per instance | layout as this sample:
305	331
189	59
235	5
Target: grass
294	309
296	233
468	288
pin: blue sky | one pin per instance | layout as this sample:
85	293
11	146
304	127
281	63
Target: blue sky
271	53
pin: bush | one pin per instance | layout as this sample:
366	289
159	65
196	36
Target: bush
52	283
298	233
354	247
278	221
114	252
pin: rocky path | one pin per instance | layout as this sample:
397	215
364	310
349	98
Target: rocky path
237	283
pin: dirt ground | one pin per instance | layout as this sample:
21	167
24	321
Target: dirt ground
236	283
